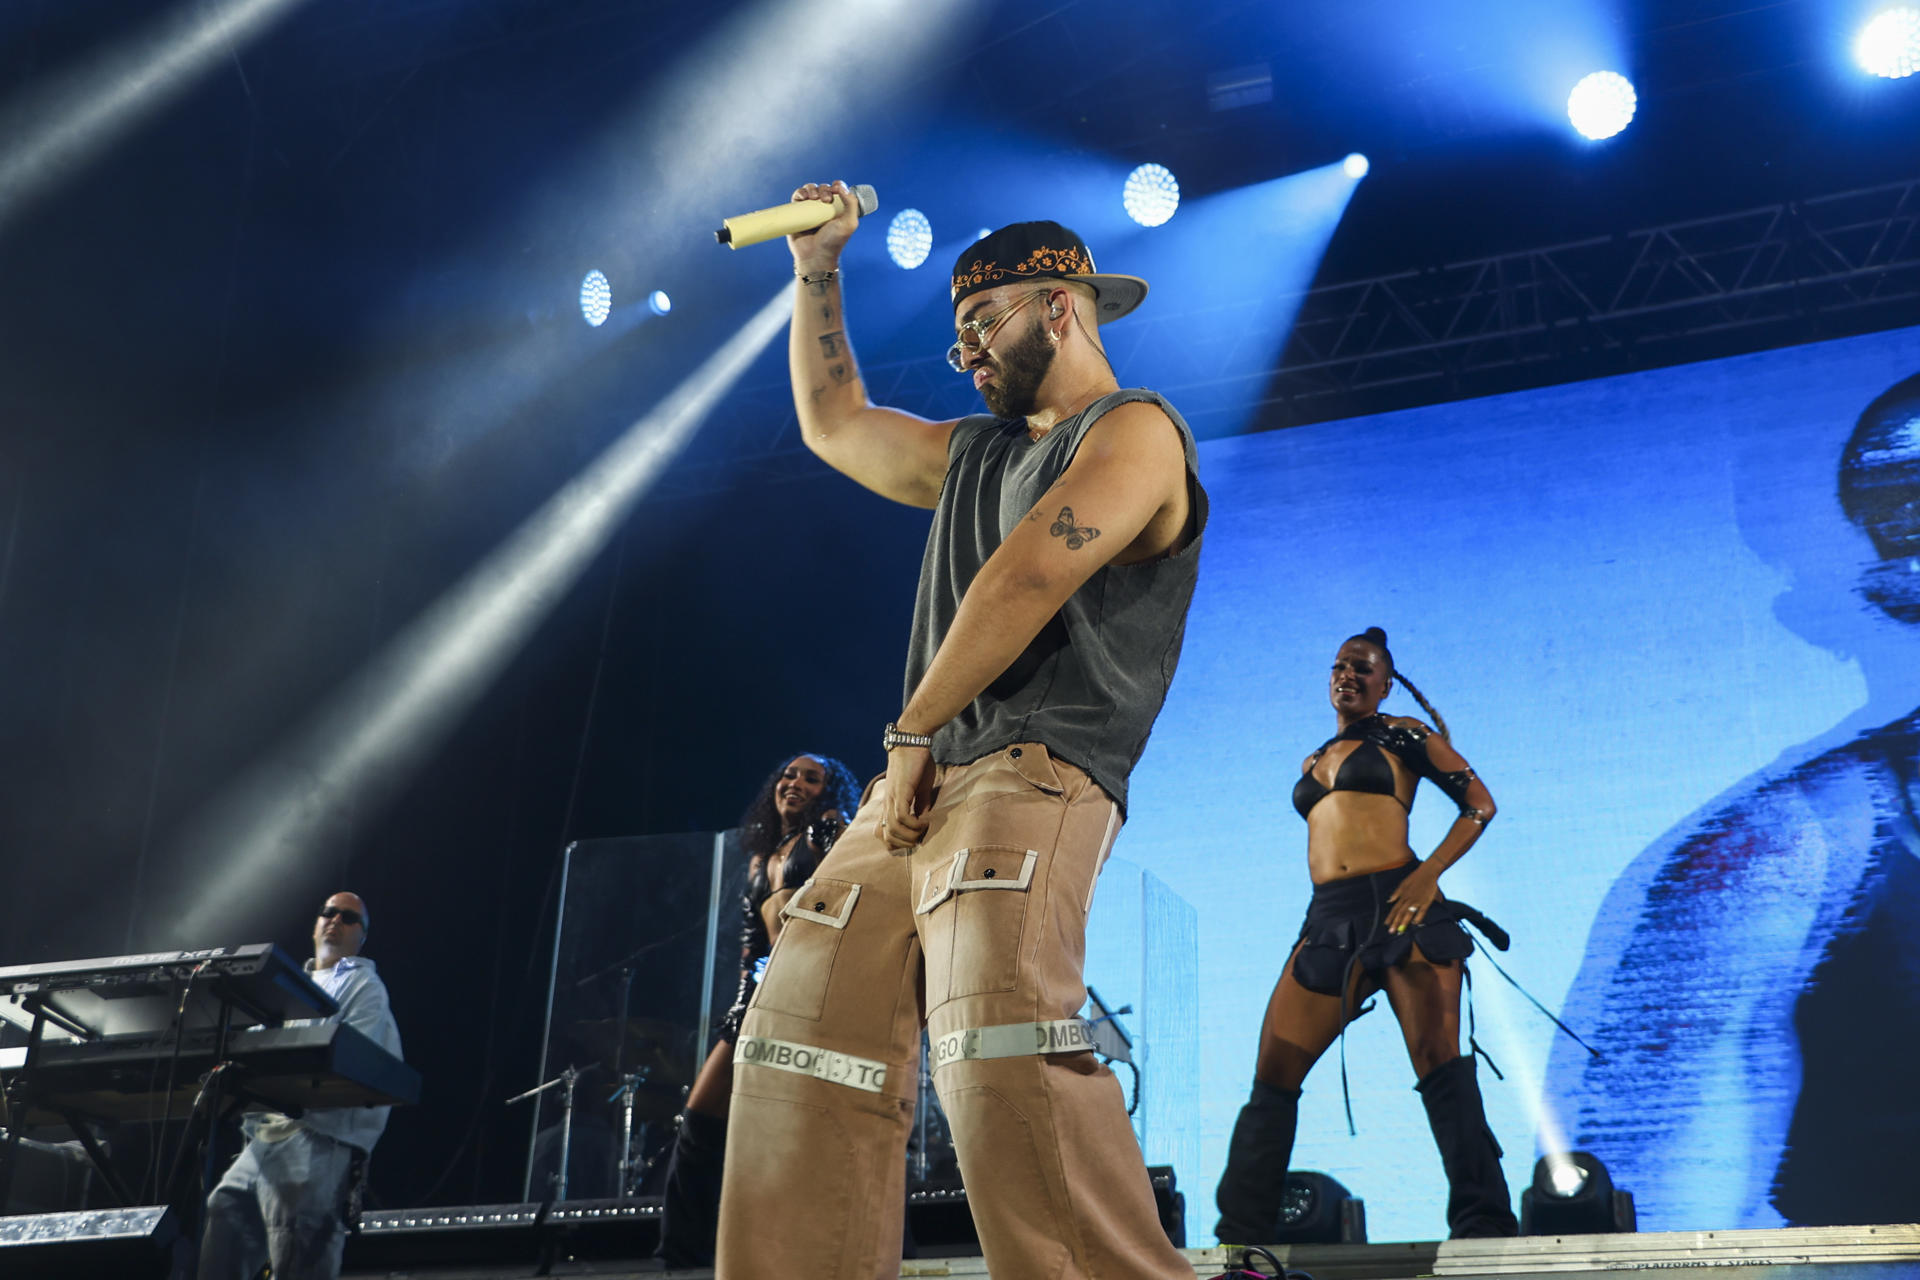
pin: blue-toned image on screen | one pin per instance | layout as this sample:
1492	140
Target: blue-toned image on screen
1673	620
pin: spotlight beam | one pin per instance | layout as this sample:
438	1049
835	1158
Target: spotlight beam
67	123
378	728
1550	1136
1284	226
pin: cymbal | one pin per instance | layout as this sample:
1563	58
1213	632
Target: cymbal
662	1051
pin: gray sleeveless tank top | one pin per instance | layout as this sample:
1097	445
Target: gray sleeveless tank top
1091	683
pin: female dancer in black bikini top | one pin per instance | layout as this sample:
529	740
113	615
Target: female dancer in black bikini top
1377	922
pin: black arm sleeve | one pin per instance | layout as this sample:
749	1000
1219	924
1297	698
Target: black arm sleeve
1409	742
1454	783
754	944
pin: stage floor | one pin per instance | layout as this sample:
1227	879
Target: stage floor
1807	1253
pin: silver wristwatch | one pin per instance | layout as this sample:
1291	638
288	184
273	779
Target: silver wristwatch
894	736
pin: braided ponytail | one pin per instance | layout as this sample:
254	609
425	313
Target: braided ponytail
1377	637
1439	724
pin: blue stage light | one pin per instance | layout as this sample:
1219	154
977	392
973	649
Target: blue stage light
596	298
909	238
1601	105
1151	195
659	303
1889	45
1356	166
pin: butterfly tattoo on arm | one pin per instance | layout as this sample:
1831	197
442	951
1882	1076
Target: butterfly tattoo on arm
1077	535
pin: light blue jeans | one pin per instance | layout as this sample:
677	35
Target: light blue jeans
280	1202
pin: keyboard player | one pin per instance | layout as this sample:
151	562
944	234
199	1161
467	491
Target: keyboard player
284	1199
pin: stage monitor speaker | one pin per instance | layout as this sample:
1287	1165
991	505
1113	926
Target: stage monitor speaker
92	1244
941	1226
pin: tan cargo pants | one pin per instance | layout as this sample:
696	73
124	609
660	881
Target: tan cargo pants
982	927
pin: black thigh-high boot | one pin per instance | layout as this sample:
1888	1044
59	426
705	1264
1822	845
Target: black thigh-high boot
1478	1203
1256	1175
690	1201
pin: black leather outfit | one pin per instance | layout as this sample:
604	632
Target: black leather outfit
1366	767
805	855
1346	922
1346	926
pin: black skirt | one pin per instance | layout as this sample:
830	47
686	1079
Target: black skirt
1346	924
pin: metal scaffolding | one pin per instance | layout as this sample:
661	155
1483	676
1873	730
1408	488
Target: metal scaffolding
1783	273
1786	273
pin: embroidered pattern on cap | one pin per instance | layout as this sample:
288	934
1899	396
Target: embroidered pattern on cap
1044	261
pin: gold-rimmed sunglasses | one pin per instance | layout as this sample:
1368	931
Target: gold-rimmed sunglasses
973	334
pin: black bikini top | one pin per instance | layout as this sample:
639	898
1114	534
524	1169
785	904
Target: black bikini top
813	844
1366	768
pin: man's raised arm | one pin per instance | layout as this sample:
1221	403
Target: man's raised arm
895	454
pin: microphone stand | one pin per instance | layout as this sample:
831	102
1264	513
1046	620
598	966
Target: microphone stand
630	957
565	1082
629	1085
626	1085
921	1162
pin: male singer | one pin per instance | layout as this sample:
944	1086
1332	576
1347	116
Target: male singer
284	1199
1052	600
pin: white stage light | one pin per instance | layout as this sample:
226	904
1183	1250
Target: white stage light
1889	45
1564	1175
1573	1194
909	238
659	303
596	298
1356	166
1601	105
1151	195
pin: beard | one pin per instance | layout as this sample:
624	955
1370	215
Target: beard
1018	372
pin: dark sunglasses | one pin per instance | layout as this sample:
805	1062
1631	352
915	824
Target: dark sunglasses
347	914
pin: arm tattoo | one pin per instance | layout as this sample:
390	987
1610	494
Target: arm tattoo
817	393
826	313
1077	535
830	343
839	373
818	288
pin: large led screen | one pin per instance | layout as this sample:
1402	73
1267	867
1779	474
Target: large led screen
1673	619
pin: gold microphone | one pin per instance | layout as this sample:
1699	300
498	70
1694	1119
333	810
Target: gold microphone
789	218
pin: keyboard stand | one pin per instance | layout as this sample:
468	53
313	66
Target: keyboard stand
218	1100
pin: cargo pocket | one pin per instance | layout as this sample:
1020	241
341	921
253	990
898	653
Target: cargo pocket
1440	936
802	963
1321	961
1023	771
975	910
